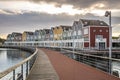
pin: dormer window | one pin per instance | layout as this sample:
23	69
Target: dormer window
106	30
101	23
94	30
86	23
100	30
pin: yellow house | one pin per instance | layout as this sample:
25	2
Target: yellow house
54	33
58	31
26	36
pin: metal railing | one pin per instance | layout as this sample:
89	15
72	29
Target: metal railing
98	62
14	71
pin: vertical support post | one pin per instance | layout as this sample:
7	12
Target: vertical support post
110	44
13	74
26	68
73	56
108	14
30	65
22	71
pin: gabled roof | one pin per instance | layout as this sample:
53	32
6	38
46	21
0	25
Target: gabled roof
29	33
9	35
66	27
86	22
47	31
16	34
76	22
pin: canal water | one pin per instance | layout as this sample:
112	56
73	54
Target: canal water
10	57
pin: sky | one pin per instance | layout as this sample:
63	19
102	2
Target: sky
31	15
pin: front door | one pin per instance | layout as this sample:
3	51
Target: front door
102	45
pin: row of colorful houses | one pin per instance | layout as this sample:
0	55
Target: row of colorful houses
90	31
55	33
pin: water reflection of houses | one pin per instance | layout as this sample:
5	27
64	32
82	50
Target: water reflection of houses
16	54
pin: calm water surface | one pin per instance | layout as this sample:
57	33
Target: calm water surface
10	57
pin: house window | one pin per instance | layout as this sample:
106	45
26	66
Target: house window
101	23
100	30
106	30
86	23
99	36
94	30
86	39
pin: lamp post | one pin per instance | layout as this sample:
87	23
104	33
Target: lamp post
108	14
73	35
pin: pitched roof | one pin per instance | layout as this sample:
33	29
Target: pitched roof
93	22
66	27
29	33
47	31
76	22
16	34
9	35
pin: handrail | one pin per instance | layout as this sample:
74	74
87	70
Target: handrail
99	62
93	55
4	73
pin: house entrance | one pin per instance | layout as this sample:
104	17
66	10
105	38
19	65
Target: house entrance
102	45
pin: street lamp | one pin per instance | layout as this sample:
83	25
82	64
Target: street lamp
108	14
73	35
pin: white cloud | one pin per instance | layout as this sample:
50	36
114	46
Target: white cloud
20	7
116	30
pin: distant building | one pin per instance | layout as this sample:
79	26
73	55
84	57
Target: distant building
55	33
47	34
58	31
9	37
67	32
14	37
93	32
83	34
51	34
27	36
36	35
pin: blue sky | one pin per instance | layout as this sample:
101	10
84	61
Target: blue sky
29	15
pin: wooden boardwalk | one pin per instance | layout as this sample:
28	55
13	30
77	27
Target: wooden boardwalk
51	65
42	69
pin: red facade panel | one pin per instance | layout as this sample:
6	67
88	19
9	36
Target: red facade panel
104	31
86	44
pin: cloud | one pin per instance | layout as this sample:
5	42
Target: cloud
69	7
28	15
84	3
32	21
116	30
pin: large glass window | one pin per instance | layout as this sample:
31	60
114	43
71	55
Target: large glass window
86	39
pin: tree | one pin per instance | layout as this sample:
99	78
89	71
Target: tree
115	37
2	40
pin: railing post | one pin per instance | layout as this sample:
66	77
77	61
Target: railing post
26	68
22	71
13	74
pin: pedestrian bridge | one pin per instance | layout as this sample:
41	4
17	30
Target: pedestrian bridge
51	65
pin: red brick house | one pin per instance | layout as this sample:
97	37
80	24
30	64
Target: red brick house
94	32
